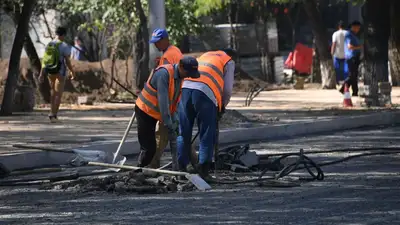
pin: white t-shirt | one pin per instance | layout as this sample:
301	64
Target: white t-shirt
338	37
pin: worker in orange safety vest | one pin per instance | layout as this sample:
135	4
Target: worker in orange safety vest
171	55
205	99
158	102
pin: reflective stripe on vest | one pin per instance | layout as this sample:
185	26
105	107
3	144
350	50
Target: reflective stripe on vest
173	55
211	67
147	100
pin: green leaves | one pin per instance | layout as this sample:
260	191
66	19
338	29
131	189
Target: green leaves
181	19
120	14
205	7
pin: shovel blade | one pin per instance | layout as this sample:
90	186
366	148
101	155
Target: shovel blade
198	182
83	156
120	161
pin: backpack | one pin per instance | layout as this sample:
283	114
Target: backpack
51	58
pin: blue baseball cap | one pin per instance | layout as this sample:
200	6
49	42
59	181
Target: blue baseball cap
158	34
191	66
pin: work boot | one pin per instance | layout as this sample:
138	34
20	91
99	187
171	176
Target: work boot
190	169
203	170
53	119
142	154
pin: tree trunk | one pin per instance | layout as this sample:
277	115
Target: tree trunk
394	43
377	32
13	67
44	87
316	69
261	30
141	48
321	41
233	16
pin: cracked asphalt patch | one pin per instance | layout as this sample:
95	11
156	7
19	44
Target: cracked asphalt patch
361	191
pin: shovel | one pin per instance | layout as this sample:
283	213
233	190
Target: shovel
195	179
82	157
121	143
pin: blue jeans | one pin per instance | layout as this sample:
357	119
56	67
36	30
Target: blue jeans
341	68
195	104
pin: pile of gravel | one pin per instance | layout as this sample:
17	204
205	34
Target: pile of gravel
233	117
130	182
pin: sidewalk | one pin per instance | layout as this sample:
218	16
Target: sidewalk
108	121
300	99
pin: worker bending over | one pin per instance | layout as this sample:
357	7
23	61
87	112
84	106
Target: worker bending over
171	55
205	99
158	102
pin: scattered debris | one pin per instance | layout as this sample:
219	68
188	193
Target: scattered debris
122	183
237	157
85	100
234	117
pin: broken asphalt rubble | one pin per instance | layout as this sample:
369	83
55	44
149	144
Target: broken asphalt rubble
127	182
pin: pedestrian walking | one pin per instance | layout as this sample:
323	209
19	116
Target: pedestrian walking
78	50
352	48
55	61
337	51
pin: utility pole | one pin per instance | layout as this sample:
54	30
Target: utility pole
156	20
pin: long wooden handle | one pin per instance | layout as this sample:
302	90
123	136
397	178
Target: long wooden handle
43	148
175	173
121	143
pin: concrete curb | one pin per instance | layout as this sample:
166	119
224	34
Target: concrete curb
226	137
288	131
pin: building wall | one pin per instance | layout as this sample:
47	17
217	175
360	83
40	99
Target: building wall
38	32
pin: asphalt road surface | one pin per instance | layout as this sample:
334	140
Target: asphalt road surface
361	191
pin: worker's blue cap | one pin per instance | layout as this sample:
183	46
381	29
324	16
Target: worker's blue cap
191	66
158	34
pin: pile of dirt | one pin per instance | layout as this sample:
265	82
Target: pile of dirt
233	117
130	182
243	81
94	79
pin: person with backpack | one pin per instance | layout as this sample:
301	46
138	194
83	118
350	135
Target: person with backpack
55	61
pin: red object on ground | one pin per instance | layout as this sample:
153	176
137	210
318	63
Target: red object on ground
302	58
347	97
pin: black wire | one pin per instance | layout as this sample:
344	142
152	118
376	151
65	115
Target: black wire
364	149
305	162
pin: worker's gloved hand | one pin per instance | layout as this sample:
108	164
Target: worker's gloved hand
172	134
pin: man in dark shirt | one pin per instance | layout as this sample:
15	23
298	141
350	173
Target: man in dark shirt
352	50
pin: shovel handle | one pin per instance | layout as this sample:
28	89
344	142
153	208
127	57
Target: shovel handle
43	148
169	172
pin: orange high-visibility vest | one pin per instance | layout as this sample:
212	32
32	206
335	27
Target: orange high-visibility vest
173	55
211	68
147	100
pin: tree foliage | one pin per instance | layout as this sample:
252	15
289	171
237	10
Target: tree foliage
118	17
181	19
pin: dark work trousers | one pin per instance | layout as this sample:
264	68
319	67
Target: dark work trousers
146	129
352	80
195	104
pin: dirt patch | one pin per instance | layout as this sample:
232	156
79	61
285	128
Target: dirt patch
123	183
94	79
